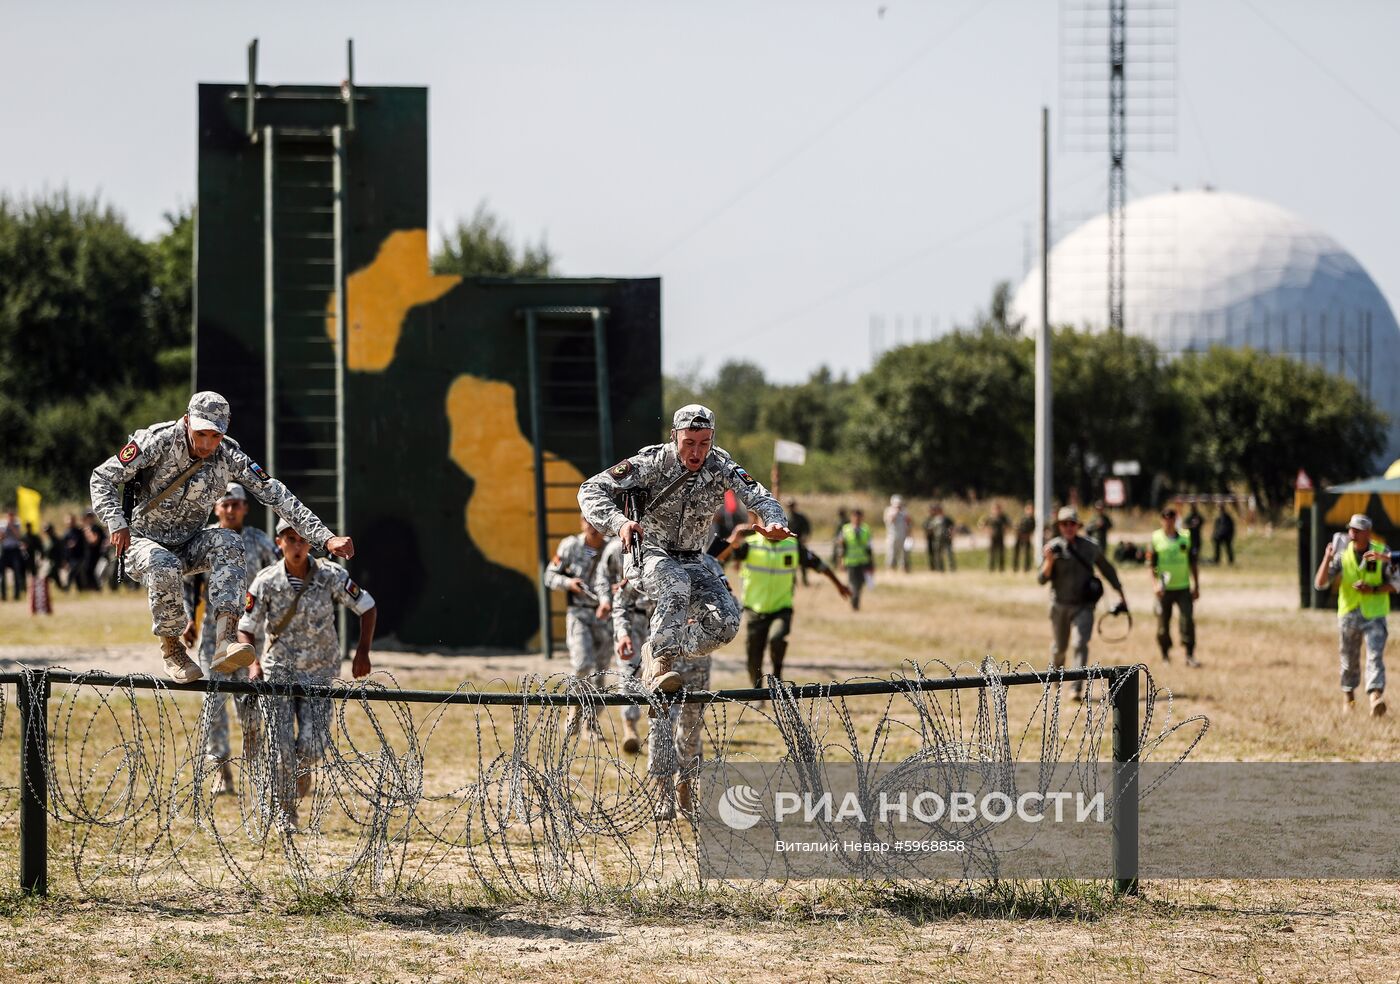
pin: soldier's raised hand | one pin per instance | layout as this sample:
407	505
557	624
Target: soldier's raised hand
775	532
120	540
341	546
628	530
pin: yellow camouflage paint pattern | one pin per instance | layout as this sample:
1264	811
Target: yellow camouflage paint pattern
379	296
487	444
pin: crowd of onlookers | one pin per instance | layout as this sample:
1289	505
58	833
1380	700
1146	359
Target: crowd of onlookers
74	558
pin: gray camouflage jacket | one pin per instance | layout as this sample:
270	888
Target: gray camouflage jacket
573	559
309	643
156	456
679	503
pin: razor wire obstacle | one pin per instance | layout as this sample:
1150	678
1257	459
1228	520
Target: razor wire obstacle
513	801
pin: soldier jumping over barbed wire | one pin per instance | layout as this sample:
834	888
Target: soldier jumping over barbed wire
177	470
671	490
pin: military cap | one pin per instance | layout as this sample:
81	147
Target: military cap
208	411
693	416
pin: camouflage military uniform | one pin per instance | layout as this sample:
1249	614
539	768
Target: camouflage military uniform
258	552
631	615
674	741
307	651
171	540
589	637
694	612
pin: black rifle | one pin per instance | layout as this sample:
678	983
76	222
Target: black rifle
634	507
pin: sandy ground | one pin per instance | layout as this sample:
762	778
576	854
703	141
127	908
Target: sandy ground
1268	685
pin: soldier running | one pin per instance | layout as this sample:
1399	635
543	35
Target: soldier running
258	552
177	470
294	603
631	624
683	483
574	570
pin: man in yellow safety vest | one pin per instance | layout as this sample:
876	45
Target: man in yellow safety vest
1176	582
769	574
853	547
1363	602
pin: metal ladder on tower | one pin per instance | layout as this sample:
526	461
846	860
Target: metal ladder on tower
570	407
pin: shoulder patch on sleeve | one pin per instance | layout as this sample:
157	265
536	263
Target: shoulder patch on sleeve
353	589
248	602
744	476
257	470
128	453
622	469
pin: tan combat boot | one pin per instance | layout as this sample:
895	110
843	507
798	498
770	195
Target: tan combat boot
223	784
572	720
663	788
230	654
683	798
631	743
178	664
1377	703
1348	702
663	678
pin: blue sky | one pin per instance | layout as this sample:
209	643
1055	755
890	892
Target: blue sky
790	169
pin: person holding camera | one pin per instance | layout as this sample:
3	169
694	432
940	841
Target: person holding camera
1069	566
1360	562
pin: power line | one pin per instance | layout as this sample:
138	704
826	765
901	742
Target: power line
810	141
1322	67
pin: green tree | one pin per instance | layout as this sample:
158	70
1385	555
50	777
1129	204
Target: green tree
950	416
481	247
1257	418
1113	400
815	413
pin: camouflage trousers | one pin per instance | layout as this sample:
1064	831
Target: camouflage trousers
694	612
162	568
631	672
1355	629
216	747
590	643
297	730
674	742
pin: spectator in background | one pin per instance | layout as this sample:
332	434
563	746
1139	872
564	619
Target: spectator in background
1222	534
1358	566
12	555
727	517
73	548
801	528
853	550
1192	524
55	553
842	518
1025	532
1176	582
94	552
1098	527
33	550
996	525
897	529
938	531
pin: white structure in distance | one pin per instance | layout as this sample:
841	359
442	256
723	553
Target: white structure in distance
1205	268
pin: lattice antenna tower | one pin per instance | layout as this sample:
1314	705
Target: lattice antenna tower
1118	72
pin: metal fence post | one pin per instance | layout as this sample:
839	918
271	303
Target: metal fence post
32	695
1125	782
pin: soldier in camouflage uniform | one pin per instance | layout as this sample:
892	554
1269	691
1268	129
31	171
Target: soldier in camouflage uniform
631	624
294	604
177	470
258	552
683	482
574	570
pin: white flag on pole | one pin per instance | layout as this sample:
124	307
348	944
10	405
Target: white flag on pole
789	452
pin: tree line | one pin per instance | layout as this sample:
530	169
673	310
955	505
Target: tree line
955	416
95	332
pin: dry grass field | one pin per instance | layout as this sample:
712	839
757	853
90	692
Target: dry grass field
1268	685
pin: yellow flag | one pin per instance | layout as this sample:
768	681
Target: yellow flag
28	504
